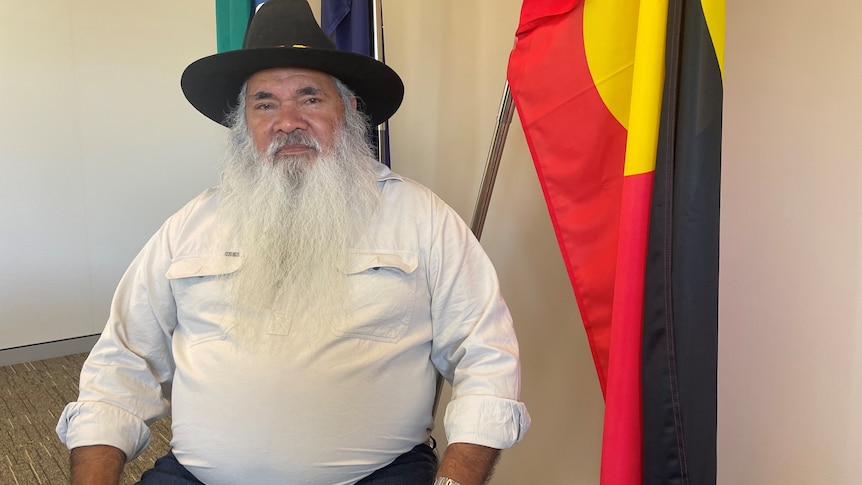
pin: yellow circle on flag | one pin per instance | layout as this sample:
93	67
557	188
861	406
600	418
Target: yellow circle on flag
610	28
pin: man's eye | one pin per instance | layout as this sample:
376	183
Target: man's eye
264	106
313	100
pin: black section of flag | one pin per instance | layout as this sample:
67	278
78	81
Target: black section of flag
680	345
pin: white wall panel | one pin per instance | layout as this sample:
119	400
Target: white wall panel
97	147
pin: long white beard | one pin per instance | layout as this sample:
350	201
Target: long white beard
293	221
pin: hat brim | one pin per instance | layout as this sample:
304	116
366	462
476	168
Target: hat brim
212	84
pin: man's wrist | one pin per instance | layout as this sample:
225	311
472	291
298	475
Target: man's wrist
97	464
467	464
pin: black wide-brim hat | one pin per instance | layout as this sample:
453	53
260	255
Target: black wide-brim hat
284	33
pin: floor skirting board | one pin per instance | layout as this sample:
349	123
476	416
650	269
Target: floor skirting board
47	350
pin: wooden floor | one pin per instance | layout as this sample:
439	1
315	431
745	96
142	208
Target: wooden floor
32	396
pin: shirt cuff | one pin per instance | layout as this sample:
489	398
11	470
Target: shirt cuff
95	423
486	420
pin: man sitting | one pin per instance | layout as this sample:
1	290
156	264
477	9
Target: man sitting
292	318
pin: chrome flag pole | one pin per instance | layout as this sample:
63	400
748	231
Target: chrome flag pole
504	119
492	164
377	50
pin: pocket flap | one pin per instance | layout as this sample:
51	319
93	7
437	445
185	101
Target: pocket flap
405	261
211	265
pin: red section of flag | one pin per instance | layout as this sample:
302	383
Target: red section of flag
578	148
621	443
534	14
600	216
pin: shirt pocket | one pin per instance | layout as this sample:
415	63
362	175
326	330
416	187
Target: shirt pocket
382	291
200	286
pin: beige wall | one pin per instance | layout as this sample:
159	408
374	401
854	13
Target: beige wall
790	335
452	56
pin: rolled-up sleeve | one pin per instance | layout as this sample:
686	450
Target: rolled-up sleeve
486	420
96	423
474	344
124	381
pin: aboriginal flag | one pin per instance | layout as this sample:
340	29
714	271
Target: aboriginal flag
620	101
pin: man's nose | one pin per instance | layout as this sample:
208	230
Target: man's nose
289	118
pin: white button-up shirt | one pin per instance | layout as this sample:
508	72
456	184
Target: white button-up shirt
327	405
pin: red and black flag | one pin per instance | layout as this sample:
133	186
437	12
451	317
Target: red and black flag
620	101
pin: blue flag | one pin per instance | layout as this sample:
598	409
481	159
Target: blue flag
350	25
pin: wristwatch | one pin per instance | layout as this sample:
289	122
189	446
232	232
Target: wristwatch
445	481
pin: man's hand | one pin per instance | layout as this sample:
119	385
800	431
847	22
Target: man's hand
97	465
468	464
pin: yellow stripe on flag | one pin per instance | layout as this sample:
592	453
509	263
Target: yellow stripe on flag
714	12
647	86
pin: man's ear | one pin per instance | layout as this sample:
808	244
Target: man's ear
353	102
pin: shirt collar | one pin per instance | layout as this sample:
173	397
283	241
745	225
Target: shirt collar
384	173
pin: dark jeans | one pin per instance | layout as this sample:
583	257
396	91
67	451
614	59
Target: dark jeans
416	467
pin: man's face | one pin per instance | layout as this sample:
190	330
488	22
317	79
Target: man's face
289	100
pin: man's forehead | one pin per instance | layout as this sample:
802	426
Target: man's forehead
302	91
294	76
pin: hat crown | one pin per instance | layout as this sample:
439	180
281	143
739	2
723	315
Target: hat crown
284	33
285	23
